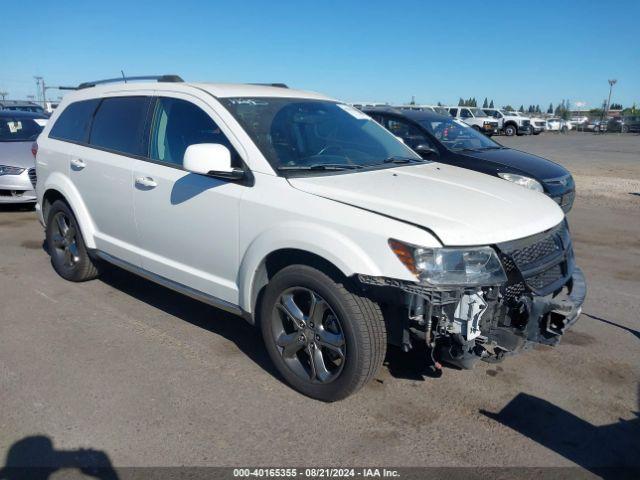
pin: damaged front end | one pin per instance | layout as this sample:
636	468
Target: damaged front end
539	295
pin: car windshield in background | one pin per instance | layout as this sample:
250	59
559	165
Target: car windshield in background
456	135
478	112
300	134
18	129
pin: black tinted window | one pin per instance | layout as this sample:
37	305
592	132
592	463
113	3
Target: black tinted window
18	129
73	123
178	124
119	125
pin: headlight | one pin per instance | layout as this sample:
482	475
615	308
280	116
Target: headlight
523	181
9	170
451	266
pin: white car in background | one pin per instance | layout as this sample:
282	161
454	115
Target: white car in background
558	125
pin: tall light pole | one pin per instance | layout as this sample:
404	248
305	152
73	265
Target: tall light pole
612	82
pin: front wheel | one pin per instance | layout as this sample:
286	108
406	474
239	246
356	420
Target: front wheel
510	130
625	129
326	341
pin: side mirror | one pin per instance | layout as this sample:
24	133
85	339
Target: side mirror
211	159
426	151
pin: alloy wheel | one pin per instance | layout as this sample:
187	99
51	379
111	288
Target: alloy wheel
309	335
65	241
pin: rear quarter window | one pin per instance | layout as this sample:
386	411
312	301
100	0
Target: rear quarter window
73	123
119	125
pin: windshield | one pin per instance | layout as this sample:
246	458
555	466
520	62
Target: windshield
18	129
441	111
457	135
478	112
298	134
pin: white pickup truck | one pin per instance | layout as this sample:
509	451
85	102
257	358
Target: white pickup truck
511	123
476	118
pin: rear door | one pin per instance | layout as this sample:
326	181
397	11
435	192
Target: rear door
188	223
103	172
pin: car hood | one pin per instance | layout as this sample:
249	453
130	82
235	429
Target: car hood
17	154
459	206
537	167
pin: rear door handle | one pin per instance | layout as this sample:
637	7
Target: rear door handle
146	182
78	164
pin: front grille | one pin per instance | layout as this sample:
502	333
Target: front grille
540	124
33	177
543	262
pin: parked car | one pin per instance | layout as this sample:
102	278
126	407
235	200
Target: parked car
476	118
626	124
558	125
303	216
430	108
510	123
538	125
22	106
18	131
443	140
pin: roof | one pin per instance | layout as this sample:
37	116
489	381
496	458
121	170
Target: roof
415	115
18	103
220	90
20	114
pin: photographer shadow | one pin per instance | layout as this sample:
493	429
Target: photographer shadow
35	458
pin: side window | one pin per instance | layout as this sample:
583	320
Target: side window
118	125
411	134
465	113
73	124
178	124
453	112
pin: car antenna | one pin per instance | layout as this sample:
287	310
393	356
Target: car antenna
123	77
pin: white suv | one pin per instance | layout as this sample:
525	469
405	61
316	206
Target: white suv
305	217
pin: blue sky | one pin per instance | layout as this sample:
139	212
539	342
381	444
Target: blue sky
532	52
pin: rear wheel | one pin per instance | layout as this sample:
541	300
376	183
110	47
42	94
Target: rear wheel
65	244
326	341
625	129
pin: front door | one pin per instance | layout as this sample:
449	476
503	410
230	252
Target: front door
187	222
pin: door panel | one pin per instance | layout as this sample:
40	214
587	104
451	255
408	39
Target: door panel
188	228
103	173
187	223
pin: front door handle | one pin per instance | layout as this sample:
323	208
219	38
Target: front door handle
146	182
78	164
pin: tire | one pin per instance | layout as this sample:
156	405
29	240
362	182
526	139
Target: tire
537	133
510	130
476	128
357	334
625	129
66	246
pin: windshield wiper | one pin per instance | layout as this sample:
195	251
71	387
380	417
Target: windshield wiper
320	166
395	159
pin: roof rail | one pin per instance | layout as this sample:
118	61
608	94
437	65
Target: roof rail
159	78
279	85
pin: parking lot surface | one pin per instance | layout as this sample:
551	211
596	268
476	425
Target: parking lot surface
148	377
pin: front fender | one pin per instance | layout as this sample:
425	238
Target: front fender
332	246
60	183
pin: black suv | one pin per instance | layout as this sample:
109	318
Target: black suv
447	140
626	124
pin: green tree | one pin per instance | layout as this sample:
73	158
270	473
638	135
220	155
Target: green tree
491	104
550	109
521	109
616	106
461	102
485	104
